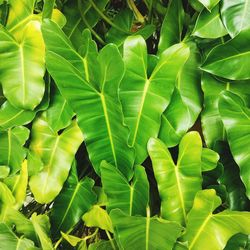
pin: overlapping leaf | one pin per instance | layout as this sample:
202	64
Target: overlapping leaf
57	153
236	118
98	110
203	223
143	97
177	183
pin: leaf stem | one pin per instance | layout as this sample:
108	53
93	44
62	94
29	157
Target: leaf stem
87	24
105	18
138	15
110	239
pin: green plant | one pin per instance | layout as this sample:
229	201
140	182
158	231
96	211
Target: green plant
124	124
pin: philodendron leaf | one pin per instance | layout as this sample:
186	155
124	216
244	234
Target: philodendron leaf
222	59
18	185
42	228
12	152
230	178
22	73
177	183
203	223
172	25
98	217
132	198
59	113
235	15
186	101
137	232
209	159
11	116
212	126
236	118
144	98
97	107
209	24
57	153
8	240
75	199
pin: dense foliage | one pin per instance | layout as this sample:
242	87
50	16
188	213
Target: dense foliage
125	124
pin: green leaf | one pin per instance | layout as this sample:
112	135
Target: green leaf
222	59
143	97
186	101
22	73
238	242
236	118
48	7
42	228
136	232
209	4
75	199
57	153
209	25
235	15
177	183
20	13
98	217
98	110
18	185
237	199
12	152
8	240
212	126
103	245
59	113
209	159
11	116
125	21
171	29
132	198
202	223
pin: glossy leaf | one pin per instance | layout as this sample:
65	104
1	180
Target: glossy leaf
177	183
18	185
209	159
75	199
236	118
59	113
186	101
42	226
8	240
98	217
209	24
57	153
132	198
237	199
22	73
12	152
136	232
223	59
202	223
143	97
212	126
172	25
235	15
11	116
98	110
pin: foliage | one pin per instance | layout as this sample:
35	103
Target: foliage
124	124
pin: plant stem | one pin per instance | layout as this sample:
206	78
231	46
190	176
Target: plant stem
105	18
110	239
139	16
87	24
